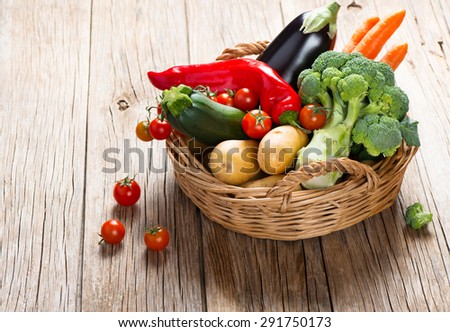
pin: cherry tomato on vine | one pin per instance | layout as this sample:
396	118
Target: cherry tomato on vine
142	131
112	232
225	98
245	99
160	129
256	124
127	191
313	116
213	98
156	238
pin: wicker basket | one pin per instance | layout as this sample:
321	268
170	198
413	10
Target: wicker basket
280	213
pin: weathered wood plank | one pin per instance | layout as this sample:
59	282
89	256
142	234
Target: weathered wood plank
44	68
128	39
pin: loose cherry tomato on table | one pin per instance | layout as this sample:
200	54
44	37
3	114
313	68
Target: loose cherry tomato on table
225	98
156	238
245	99
112	232
160	129
313	116
256	124
142	131
127	191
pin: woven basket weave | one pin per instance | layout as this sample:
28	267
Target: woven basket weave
281	213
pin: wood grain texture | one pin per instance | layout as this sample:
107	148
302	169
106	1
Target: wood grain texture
128	39
43	105
67	67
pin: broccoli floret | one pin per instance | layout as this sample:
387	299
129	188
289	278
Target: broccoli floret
386	71
311	87
393	102
353	89
309	100
367	69
378	134
359	152
330	79
302	75
416	217
330	76
330	59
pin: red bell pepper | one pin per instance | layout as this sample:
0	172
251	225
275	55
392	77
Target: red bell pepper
276	96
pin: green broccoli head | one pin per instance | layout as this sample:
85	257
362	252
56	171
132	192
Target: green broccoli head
367	69
416	217
359	152
330	59
379	134
311	85
311	88
376	86
302	75
330	77
386	71
394	102
352	87
309	100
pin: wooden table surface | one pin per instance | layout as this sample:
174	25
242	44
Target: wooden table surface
65	65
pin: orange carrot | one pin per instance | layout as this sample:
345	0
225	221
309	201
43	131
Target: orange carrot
395	55
360	32
374	40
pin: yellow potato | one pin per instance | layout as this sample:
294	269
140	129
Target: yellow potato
279	147
267	182
234	161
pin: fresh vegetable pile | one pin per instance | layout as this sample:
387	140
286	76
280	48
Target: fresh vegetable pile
298	102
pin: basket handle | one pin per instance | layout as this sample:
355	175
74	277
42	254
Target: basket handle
243	49
292	180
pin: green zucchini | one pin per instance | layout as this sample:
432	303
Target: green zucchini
205	120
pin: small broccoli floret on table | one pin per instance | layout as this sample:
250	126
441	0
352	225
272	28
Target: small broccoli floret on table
416	217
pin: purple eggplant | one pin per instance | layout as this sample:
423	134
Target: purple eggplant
301	42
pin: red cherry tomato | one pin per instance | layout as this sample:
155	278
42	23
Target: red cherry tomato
225	98
313	116
156	238
142	131
160	129
256	124
245	99
127	192
112	232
